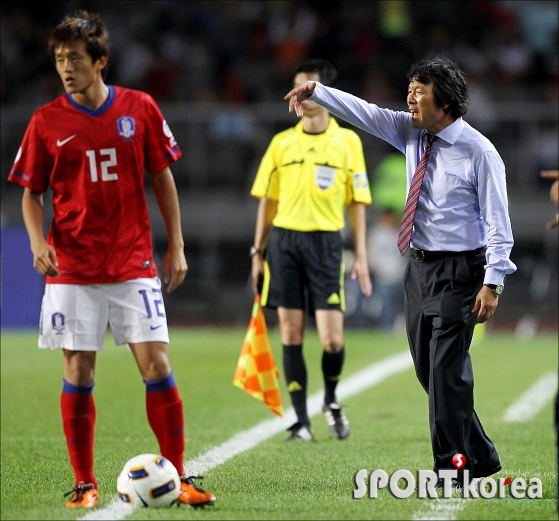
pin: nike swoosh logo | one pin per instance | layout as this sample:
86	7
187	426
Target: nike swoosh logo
61	143
156	327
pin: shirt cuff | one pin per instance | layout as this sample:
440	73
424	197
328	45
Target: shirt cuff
318	85
493	276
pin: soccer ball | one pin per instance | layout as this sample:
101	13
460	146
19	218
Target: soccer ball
148	480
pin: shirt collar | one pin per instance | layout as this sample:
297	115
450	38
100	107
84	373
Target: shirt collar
450	134
98	111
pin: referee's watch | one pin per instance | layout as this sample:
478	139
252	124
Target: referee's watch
496	289
255	251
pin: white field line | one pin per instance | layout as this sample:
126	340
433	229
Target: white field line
440	509
533	400
246	440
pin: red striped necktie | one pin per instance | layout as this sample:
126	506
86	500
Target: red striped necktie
413	197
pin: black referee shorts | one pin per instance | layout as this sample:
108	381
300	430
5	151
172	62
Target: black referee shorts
303	270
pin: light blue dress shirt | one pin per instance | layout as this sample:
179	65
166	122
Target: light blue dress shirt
463	201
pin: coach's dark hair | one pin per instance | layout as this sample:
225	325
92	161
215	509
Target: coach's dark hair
325	70
84	26
449	84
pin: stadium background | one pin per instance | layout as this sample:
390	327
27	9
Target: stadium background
220	69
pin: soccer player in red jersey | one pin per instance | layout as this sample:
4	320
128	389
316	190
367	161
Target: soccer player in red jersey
92	145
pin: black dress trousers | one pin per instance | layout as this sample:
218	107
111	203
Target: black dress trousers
440	293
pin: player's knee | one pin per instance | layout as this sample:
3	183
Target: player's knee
333	344
291	333
156	368
79	367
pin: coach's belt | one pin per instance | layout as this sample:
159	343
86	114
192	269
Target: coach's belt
418	254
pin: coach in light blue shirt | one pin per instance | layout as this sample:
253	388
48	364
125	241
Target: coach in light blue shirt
459	238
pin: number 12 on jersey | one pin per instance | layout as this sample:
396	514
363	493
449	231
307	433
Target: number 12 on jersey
105	165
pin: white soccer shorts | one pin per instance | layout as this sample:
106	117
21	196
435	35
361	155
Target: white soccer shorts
76	316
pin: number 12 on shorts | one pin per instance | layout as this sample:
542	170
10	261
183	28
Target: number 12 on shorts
156	301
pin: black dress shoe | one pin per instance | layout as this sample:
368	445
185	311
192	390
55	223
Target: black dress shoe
486	471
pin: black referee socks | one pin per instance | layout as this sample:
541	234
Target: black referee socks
332	364
296	378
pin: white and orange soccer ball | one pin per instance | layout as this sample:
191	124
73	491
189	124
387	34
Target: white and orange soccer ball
148	480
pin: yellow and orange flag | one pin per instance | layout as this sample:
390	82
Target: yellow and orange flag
256	371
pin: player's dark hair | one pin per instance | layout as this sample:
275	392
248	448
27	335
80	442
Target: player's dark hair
84	26
449	83
325	70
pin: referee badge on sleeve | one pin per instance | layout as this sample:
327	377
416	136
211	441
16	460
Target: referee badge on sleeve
360	181
324	176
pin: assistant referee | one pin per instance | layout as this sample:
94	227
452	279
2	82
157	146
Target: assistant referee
308	176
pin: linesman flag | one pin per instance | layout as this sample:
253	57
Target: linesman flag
256	371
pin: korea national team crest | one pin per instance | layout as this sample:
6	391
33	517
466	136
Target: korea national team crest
126	126
324	176
59	323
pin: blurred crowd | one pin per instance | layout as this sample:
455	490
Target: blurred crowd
242	51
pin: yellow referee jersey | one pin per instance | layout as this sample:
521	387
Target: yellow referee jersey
313	177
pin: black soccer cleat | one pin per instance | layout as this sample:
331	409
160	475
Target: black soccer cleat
337	421
300	432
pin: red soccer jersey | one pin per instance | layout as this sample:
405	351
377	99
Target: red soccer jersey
94	161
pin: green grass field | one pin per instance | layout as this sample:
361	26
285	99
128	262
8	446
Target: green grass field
274	480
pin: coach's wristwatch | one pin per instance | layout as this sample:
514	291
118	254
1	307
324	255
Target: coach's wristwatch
255	251
496	289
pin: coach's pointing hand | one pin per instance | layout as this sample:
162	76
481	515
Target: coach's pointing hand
299	94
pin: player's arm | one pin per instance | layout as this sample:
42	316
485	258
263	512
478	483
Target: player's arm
174	263
267	209
44	255
360	265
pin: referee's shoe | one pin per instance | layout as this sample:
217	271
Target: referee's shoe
337	421
300	432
